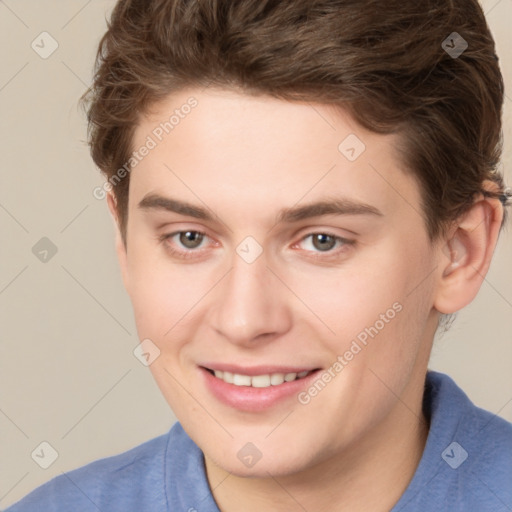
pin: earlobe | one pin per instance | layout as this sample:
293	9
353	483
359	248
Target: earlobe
121	249
466	256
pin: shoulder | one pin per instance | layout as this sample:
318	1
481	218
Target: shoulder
483	431
467	461
113	483
486	444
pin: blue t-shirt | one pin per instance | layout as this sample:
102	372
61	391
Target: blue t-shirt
466	466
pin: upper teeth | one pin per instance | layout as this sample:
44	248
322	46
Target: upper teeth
258	381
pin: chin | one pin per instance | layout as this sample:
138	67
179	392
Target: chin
275	463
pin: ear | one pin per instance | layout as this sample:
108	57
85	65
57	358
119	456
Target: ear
121	249
467	253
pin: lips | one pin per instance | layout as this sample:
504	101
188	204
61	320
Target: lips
258	388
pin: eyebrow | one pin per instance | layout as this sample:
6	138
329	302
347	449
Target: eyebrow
338	206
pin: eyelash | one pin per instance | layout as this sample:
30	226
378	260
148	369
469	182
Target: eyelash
185	254
175	252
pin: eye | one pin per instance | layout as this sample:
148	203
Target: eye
324	243
190	239
321	241
183	243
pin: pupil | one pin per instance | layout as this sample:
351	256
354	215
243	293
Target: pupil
191	239
320	240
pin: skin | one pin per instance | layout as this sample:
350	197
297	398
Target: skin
354	446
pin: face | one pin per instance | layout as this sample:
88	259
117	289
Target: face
266	247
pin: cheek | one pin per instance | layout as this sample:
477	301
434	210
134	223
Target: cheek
374	310
160	301
165	295
397	331
164	299
351	297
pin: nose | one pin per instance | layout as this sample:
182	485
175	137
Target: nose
250	305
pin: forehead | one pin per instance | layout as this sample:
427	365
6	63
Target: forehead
265	150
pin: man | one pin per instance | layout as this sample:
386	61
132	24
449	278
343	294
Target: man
303	192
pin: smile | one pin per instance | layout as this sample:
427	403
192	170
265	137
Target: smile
258	381
255	389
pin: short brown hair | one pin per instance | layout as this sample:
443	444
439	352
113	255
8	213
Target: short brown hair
382	61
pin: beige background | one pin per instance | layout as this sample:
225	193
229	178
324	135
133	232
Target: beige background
68	375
